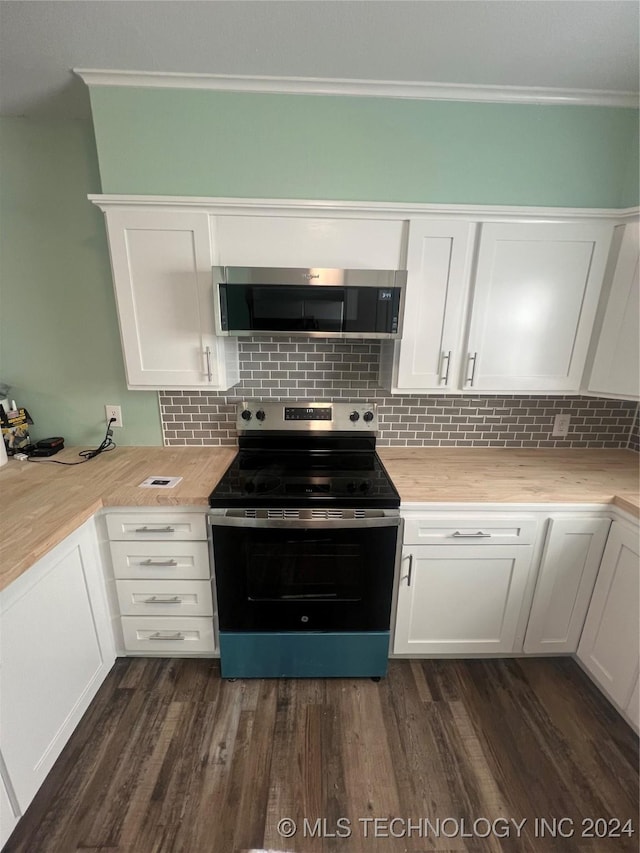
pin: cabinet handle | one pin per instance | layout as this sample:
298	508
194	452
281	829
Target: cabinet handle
478	535
146	529
155	600
150	562
207	353
445	357
472	360
176	635
407	577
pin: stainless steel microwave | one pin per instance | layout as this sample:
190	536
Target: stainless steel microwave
312	302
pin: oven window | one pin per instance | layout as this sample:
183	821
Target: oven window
310	570
279	579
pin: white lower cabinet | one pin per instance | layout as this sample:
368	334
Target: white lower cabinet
570	563
163	585
459	601
633	707
465	595
609	646
9	813
57	648
168	636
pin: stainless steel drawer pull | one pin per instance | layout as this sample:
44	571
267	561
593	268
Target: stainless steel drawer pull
175	635
155	600
146	529
407	577
207	353
478	535
159	563
446	356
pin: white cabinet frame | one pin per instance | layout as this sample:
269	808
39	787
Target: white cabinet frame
438	353
57	648
162	275
536	292
568	571
616	365
609	645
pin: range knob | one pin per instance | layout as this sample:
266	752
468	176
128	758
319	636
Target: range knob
246	415
260	415
354	416
368	417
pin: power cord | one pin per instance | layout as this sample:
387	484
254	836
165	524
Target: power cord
107	444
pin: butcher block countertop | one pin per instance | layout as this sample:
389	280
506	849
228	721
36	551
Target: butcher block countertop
41	502
504	475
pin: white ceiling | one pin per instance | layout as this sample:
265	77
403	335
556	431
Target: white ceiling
568	44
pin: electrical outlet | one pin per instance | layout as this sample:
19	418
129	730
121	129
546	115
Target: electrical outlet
561	425
114	412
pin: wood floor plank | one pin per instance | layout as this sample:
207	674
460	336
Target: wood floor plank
170	758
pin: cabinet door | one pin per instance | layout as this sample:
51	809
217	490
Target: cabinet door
9	813
57	648
572	554
616	367
609	643
460	600
428	356
633	706
536	294
161	263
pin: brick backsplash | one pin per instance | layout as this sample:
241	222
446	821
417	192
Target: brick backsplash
326	369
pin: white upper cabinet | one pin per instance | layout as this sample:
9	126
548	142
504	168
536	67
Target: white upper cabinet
310	241
161	262
535	298
490	306
616	365
438	260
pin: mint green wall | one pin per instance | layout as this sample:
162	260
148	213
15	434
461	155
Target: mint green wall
192	142
59	343
631	183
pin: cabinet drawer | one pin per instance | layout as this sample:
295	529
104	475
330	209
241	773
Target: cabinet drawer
164	598
161	526
469	530
168	634
160	560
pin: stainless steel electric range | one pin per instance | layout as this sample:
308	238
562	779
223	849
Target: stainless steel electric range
305	541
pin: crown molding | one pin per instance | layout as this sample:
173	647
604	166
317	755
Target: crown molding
364	209
360	88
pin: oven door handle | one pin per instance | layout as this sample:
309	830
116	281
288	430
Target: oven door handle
309	523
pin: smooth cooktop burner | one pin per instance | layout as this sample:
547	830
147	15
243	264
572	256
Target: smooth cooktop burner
254	479
305	453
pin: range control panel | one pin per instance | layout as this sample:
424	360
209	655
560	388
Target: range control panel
304	413
255	415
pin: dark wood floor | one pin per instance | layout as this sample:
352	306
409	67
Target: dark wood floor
171	758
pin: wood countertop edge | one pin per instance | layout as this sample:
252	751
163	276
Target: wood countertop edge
46	544
117	495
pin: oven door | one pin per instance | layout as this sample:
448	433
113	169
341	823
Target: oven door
304	575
